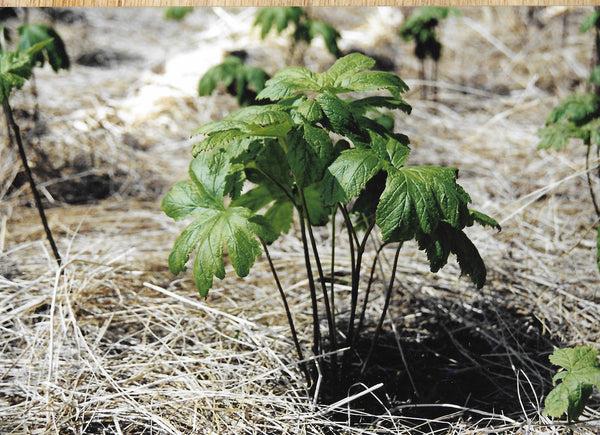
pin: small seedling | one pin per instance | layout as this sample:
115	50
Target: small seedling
420	27
579	374
313	153
241	80
15	69
305	28
578	117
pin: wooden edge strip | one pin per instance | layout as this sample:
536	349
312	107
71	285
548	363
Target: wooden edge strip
244	3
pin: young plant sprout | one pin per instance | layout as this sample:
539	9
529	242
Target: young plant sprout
420	27
241	80
311	154
305	28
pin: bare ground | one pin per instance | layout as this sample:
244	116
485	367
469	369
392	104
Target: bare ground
116	344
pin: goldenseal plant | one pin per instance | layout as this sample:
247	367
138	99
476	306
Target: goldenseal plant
312	154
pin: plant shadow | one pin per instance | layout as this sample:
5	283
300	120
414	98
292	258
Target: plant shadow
448	361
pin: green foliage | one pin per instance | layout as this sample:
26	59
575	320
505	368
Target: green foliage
305	29
15	69
241	80
420	27
286	150
590	21
55	51
581	371
177	13
575	118
277	17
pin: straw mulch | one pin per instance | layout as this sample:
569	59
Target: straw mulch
116	344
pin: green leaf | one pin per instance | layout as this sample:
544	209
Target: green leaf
595	76
177	13
241	80
349	173
590	21
183	200
310	111
308	30
581	373
339	117
15	68
445	240
370	104
250	122
215	225
290	80
417	198
309	151
55	51
578	109
484	220
373	81
348	65
278	17
558	136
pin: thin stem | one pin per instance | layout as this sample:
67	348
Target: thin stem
368	290
287	312
386	305
589	178
36	195
332	292
332	333
313	293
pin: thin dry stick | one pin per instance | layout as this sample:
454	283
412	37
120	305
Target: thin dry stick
36	195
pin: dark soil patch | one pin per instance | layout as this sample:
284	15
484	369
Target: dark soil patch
449	360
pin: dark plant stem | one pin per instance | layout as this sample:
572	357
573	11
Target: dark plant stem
313	293
388	298
589	178
360	250
435	77
361	319
332	287
36	195
330	322
351	239
287	313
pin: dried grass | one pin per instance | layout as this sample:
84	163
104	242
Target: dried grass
115	344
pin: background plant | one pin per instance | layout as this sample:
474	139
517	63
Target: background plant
578	117
305	28
177	13
285	151
241	80
421	28
15	69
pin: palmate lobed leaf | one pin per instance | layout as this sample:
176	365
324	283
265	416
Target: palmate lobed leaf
215	226
417	198
581	372
343	76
